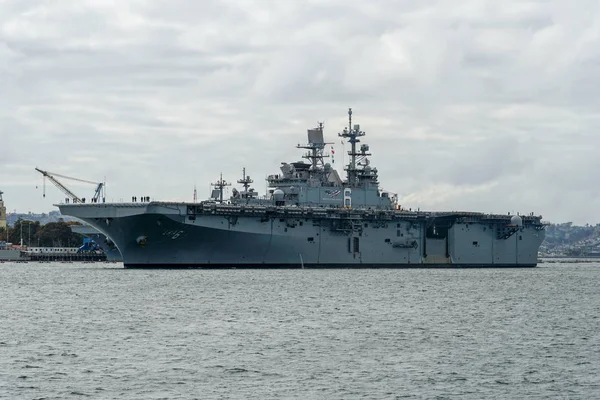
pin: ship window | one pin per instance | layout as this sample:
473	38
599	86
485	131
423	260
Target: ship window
285	230
311	239
366	225
398	232
397	225
387	240
281	219
301	223
520	237
476	244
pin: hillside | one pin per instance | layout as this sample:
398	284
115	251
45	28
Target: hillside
570	240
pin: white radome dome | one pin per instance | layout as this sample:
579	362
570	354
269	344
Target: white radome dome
516	220
278	195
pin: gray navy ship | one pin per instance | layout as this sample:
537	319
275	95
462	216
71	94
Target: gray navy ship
310	218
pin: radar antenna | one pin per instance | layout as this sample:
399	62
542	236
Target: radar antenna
219	185
245	181
352	133
316	145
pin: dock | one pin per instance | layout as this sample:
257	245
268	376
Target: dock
82	257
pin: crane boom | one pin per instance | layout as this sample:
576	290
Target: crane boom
68	177
51	177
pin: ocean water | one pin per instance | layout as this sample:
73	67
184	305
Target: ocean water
99	331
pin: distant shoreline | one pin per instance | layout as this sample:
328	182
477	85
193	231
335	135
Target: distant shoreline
567	260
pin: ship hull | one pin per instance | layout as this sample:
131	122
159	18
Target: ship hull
321	266
160	235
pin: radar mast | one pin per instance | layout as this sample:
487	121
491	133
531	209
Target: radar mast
219	185
316	145
352	133
245	181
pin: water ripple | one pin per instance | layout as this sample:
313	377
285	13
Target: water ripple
89	330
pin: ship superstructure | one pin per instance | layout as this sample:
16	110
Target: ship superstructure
311	217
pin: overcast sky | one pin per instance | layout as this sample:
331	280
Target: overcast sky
475	105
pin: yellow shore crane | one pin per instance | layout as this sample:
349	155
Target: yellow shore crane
74	198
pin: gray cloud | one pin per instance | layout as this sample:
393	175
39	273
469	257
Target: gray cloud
489	106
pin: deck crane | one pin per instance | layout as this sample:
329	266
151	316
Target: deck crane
52	178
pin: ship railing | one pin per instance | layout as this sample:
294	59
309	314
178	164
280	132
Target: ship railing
343	213
303	212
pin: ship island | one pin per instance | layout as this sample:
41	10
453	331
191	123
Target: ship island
310	217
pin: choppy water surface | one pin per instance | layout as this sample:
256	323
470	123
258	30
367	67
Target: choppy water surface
97	330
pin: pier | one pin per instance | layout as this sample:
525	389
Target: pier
67	257
63	254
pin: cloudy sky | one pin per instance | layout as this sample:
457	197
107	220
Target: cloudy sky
476	105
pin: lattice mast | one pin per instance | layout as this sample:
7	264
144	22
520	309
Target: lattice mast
315	146
245	181
352	133
220	185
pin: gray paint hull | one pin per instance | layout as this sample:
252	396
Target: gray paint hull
165	235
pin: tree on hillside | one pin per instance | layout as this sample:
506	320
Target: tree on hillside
58	234
28	229
53	234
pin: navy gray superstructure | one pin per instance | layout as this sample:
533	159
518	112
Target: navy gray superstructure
311	217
